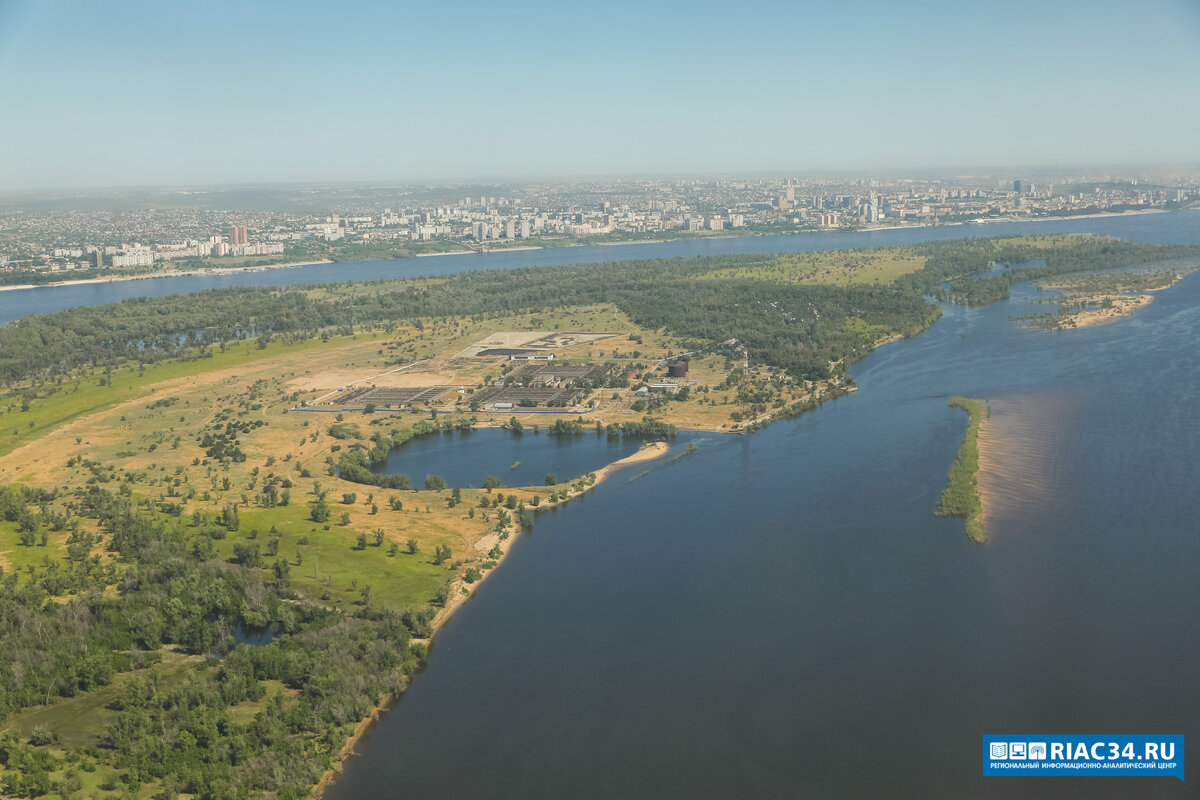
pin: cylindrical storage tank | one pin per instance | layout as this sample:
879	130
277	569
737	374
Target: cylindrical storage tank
677	369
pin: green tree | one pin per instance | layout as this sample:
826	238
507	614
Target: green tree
246	553
42	736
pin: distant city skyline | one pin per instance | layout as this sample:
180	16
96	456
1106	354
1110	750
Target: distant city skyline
147	94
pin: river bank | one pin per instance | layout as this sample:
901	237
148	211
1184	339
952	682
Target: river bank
466	252
176	274
461	591
1175	227
749	235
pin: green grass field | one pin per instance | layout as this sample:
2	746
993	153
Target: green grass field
332	569
80	720
830	269
80	396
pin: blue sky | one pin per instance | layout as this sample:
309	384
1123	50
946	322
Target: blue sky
135	93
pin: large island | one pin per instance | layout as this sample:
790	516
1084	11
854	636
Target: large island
209	584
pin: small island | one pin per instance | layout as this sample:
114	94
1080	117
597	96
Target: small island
1088	300
960	498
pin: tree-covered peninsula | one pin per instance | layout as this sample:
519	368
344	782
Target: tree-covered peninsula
205	587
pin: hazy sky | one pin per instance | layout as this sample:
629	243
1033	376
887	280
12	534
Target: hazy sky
163	92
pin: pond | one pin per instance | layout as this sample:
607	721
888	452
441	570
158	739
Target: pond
465	458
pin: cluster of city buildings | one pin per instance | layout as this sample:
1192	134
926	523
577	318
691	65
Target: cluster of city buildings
135	254
653	207
540	213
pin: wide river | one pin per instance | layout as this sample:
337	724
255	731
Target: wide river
42	300
781	615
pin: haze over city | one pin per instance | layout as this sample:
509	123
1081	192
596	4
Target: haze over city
616	400
151	94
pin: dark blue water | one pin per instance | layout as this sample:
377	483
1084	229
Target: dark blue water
1165	228
255	637
464	459
782	615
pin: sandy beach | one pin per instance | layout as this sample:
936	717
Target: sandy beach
1121	305
647	453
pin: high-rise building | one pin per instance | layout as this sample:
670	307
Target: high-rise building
1017	187
237	234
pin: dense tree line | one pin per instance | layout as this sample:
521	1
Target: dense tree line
961	262
801	328
356	461
172	589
